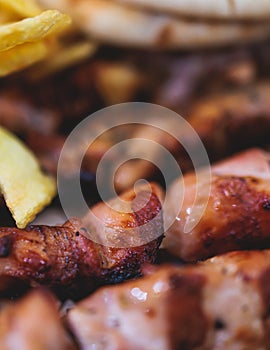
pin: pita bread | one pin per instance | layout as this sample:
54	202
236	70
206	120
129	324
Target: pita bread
226	9
113	23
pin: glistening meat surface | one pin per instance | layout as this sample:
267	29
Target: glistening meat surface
33	323
219	304
67	258
236	215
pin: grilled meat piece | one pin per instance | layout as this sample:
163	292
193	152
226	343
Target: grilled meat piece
71	258
230	121
236	214
33	323
220	304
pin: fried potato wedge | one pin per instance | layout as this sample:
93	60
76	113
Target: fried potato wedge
61	58
25	188
32	29
21	8
21	56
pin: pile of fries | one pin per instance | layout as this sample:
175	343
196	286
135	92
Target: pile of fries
26	33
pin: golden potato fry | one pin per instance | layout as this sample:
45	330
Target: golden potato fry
7	17
21	56
61	58
25	188
32	29
21	8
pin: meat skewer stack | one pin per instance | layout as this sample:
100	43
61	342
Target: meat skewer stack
190	303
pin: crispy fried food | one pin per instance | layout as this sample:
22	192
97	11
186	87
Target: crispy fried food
237	214
25	188
21	8
33	323
67	257
220	304
62	57
26	33
21	56
32	29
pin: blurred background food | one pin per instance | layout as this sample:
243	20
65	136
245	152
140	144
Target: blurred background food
133	24
207	61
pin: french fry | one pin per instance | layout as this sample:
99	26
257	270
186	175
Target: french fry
7	17
21	56
25	188
32	29
21	8
61	58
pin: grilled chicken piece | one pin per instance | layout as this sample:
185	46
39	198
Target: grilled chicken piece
237	212
71	257
220	304
33	323
230	121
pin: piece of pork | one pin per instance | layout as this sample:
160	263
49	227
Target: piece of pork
220	304
73	257
231	208
33	323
